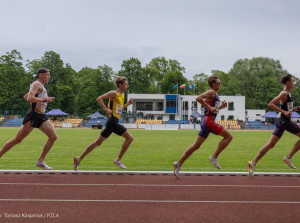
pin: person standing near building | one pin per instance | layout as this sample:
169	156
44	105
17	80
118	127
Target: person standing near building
211	101
283	123
114	110
36	118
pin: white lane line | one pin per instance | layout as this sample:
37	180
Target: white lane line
150	201
151	185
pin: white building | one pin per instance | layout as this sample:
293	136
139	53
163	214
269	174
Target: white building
255	115
180	107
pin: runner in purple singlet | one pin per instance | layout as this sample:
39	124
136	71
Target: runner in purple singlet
283	123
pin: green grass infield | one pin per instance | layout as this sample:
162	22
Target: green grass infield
151	150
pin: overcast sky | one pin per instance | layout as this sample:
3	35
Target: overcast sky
203	35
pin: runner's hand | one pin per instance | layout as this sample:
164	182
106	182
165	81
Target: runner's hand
288	114
109	111
130	101
224	104
213	109
50	99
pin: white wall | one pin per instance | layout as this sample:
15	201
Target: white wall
238	109
255	114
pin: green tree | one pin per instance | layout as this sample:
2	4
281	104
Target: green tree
264	91
14	82
171	78
62	79
91	84
296	91
157	68
200	83
229	83
249	72
138	79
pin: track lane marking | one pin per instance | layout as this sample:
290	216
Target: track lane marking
152	185
150	201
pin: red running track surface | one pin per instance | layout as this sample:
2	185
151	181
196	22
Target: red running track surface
125	198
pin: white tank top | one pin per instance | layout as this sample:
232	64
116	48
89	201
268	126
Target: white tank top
40	106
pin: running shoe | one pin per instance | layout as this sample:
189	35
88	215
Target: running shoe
289	162
251	169
76	163
43	165
176	169
214	162
119	163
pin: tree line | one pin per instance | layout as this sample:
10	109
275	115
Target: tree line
76	92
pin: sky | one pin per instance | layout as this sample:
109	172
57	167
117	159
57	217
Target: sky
203	35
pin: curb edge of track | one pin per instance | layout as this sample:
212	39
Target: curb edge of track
151	173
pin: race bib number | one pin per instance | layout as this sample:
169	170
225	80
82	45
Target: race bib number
44	105
217	106
290	106
41	106
119	110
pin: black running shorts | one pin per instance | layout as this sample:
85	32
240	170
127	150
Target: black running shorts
113	126
35	119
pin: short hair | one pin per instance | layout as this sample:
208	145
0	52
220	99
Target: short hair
212	79
41	71
285	78
120	80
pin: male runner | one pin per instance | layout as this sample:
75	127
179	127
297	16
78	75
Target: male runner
36	118
212	103
114	110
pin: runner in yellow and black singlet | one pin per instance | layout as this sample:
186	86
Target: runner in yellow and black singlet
114	110
116	105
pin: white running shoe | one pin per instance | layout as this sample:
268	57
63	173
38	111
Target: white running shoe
43	165
119	163
76	163
251	168
289	162
176	169
214	162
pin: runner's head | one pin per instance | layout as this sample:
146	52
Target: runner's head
214	82
285	78
121	82
213	79
43	75
42	71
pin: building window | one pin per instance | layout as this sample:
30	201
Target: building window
144	106
257	114
222	117
160	106
171	103
194	104
172	117
186	105
230	117
230	106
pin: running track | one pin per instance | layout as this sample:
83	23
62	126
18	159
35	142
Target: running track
148	198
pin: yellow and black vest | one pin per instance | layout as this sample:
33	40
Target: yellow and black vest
116	105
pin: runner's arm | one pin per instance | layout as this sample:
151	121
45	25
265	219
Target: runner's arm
25	96
209	94
282	97
128	103
112	95
32	92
